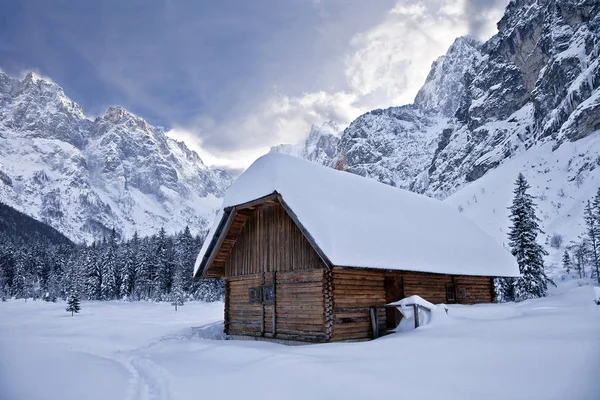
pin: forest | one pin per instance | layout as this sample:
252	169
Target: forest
38	262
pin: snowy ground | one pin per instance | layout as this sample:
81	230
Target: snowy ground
543	349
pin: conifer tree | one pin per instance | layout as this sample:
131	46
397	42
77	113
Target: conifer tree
592	223
529	254
93	273
566	261
579	256
73	303
129	261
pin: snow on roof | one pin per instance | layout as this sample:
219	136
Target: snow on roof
358	222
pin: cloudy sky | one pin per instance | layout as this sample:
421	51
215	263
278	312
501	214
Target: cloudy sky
232	78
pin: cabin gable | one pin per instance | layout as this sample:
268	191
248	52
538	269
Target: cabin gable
270	241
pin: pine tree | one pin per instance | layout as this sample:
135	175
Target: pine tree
566	261
143	271
93	272
592	223
129	260
73	303
163	259
529	254
579	256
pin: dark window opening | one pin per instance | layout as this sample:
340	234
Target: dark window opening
450	293
255	295
269	293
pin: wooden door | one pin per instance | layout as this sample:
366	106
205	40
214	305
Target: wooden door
394	291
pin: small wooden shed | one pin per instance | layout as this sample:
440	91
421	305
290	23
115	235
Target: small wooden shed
306	251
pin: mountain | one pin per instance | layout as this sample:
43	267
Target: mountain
16	227
527	100
85	176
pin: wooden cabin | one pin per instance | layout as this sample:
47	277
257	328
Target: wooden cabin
302	265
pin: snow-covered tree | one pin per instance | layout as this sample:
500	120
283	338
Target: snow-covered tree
524	246
566	261
93	272
129	261
73	303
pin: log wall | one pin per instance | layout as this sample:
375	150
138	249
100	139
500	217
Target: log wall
432	287
299	305
354	292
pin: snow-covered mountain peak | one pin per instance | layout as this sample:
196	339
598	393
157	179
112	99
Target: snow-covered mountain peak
85	177
445	83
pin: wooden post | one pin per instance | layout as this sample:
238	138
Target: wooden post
374	323
416	315
274	300
262	305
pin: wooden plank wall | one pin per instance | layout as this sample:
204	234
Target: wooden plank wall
354	292
270	241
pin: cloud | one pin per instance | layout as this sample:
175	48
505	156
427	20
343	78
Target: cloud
482	16
278	119
234	81
390	61
384	65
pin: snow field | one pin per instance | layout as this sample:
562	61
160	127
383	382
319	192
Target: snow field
539	349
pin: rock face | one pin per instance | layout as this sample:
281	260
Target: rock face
536	81
84	177
445	83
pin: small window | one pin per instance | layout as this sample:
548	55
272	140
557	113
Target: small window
269	293
255	295
461	292
450	293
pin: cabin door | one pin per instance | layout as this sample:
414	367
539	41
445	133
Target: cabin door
268	304
394	291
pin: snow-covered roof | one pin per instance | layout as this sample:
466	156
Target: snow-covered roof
358	222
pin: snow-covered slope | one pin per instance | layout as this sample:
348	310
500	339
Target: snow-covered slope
529	95
84	176
562	181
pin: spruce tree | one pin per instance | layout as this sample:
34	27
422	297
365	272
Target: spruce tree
528	252
592	223
73	303
566	261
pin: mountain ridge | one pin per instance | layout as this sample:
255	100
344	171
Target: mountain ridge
84	176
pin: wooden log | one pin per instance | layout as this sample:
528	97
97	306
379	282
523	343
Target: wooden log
302	337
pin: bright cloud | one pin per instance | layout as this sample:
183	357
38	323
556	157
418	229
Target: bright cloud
384	66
